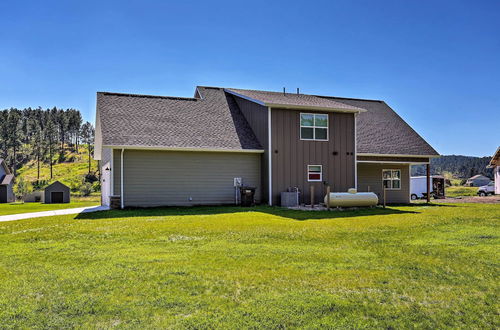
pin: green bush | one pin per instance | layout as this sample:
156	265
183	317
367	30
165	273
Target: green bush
22	188
86	189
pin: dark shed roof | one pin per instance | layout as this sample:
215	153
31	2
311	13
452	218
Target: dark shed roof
7	179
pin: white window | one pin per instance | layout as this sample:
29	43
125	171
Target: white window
314	126
314	173
391	179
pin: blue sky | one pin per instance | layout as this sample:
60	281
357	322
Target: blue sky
435	62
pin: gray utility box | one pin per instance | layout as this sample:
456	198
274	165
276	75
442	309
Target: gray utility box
289	199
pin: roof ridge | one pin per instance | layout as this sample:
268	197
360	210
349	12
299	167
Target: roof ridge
180	98
349	98
315	95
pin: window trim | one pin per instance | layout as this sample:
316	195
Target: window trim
392	179
314	126
320	173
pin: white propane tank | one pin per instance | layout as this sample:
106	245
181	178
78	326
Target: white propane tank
352	198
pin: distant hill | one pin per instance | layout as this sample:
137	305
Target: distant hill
71	170
460	167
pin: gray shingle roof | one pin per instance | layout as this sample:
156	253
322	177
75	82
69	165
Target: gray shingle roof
212	122
382	131
292	99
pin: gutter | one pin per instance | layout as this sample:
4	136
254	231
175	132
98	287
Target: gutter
122	202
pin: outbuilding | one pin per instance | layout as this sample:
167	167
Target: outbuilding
495	165
6	183
57	193
477	181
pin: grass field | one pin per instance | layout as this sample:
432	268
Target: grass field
17	208
416	266
457	191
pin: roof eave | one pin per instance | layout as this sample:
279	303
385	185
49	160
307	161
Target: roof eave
396	155
164	148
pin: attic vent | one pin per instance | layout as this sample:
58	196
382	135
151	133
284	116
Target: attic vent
216	88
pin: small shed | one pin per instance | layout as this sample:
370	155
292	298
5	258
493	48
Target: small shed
6	184
57	193
477	181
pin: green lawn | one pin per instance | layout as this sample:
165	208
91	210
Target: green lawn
16	208
415	266
456	191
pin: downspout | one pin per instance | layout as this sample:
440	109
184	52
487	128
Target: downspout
122	204
269	157
355	151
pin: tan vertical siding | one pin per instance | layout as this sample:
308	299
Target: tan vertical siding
370	175
157	178
290	155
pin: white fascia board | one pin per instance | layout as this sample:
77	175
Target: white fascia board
398	155
257	151
98	137
389	162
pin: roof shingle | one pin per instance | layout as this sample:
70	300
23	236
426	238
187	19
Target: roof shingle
212	122
291	99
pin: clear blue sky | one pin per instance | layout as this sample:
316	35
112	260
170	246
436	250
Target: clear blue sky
435	62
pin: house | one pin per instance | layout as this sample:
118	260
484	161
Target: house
162	150
477	181
6	184
495	164
56	193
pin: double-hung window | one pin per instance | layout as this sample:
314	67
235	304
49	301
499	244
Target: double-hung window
391	179
314	173
314	126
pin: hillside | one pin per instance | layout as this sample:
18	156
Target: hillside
461	167
71	171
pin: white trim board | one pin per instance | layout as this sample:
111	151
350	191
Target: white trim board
270	156
398	155
135	147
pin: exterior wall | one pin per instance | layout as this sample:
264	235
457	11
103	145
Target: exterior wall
7	194
370	179
497	180
162	178
56	187
105	162
257	117
290	155
34	196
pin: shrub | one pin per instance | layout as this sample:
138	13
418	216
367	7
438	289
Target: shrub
22	188
86	189
96	186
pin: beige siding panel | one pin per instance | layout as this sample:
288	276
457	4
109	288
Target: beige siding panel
370	179
292	155
157	178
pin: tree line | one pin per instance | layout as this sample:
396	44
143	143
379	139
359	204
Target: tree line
461	167
42	135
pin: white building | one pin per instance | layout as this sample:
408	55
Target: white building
495	164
